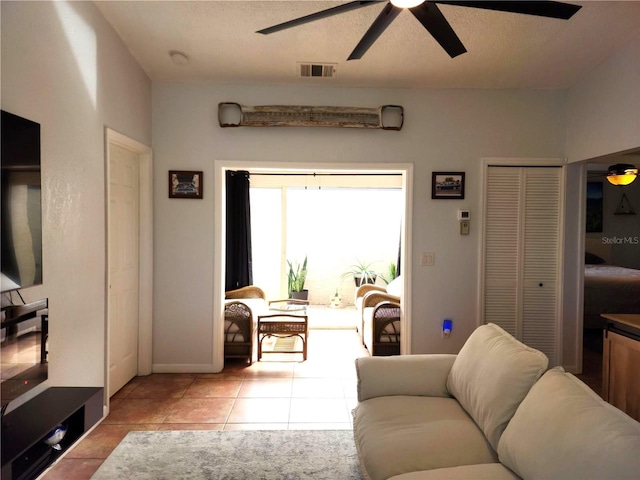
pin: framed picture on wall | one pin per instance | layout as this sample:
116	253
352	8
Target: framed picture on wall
185	184
447	185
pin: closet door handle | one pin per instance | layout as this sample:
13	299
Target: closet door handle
541	284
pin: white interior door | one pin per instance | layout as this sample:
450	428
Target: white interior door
124	264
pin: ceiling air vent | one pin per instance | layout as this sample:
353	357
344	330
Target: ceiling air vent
319	70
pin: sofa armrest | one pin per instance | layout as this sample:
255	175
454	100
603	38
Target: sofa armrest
421	375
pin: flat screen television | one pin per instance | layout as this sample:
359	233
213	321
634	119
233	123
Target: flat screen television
21	224
23	332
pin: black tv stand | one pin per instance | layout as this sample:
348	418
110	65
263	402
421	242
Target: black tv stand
24	453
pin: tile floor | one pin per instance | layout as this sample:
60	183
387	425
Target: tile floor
279	392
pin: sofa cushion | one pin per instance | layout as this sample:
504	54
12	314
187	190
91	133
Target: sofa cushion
402	434
563	430
485	471
491	375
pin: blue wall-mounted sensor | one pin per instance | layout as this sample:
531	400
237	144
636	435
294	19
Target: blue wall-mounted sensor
447	325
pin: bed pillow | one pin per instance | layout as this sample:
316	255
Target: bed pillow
491	375
593	259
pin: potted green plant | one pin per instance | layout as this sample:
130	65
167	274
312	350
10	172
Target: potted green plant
295	280
361	273
392	273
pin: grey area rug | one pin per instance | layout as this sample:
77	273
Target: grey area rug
233	455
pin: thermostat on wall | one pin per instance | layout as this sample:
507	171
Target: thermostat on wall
464	215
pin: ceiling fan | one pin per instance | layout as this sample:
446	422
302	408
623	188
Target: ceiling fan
431	18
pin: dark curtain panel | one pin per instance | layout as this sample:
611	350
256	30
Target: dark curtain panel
399	253
238	267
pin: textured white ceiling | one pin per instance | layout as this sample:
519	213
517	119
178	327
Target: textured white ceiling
504	50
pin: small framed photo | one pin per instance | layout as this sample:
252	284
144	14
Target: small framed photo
447	185
185	184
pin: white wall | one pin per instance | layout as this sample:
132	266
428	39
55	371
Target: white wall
573	267
446	130
64	67
603	109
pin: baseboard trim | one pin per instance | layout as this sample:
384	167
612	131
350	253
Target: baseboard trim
184	368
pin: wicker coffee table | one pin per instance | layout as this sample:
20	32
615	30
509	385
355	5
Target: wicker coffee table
285	318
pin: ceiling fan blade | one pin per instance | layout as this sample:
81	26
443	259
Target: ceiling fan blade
387	15
347	7
559	10
431	18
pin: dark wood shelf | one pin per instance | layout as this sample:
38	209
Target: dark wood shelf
24	454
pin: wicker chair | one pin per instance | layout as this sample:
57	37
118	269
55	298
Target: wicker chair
379	309
381	323
362	290
238	331
249	291
239	323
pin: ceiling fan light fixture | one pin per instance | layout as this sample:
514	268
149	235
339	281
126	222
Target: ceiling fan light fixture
406	3
621	174
429	16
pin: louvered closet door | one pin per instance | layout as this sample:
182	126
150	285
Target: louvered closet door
502	249
522	254
540	266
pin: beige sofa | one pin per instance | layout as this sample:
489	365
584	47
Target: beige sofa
491	412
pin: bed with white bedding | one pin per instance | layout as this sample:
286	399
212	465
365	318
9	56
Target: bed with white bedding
609	289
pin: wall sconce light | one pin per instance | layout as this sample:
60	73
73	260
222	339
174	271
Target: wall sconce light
622	174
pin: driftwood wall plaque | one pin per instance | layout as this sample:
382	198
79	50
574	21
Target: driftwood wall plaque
386	117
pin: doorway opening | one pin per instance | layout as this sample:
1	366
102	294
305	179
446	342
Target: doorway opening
610	261
332	225
326	179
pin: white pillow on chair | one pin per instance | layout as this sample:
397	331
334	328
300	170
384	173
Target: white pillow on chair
395	287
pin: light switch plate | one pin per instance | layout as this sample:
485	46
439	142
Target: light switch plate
427	259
